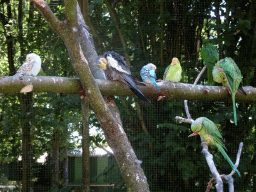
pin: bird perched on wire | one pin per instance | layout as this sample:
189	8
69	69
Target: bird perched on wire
30	67
173	71
148	74
116	69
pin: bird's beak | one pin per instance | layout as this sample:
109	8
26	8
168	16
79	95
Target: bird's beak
102	64
193	134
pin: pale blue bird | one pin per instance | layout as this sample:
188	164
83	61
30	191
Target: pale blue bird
148	74
30	67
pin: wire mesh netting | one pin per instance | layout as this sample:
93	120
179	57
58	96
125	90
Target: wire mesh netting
53	140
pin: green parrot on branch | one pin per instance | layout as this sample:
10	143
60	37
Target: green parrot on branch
210	134
173	71
227	72
210	56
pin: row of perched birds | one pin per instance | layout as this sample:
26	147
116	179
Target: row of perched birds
116	69
225	71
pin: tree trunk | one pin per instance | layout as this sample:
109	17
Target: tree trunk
55	158
85	145
9	42
26	106
65	167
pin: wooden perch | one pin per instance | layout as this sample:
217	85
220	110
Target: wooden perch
170	89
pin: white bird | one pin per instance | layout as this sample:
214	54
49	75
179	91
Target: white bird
30	67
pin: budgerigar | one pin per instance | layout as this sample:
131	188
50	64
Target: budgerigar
210	134
173	71
227	72
30	67
148	74
116	69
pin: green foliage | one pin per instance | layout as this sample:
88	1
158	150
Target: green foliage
171	161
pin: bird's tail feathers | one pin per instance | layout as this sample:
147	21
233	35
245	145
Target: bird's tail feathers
156	86
234	107
223	152
134	88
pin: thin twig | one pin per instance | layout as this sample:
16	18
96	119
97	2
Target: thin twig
210	162
186	101
181	119
228	177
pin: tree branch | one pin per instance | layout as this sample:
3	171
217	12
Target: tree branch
171	90
229	177
186	101
210	162
48	14
132	173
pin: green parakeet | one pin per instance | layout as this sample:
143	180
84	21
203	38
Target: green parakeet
173	71
210	134
227	72
210	56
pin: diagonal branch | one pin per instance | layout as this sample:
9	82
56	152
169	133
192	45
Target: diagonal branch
133	174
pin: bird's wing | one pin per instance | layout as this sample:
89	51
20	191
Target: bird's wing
152	74
117	62
131	82
212	129
146	72
166	72
26	67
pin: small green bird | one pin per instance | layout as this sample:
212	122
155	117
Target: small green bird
227	72
173	71
210	56
210	134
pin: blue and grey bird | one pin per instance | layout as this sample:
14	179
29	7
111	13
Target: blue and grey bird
148	74
116	69
30	67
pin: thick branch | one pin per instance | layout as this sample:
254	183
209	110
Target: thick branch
133	174
170	89
48	14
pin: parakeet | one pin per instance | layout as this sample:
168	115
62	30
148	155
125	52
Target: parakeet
148	74
173	71
116	69
210	56
30	67
227	72
210	134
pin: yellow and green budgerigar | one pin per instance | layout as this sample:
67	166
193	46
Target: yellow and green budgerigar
210	134
173	71
227	72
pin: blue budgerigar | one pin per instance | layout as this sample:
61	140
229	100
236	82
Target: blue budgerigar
148	74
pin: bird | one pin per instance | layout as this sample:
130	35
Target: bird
148	74
227	72
30	67
210	56
116	69
211	135
173	71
